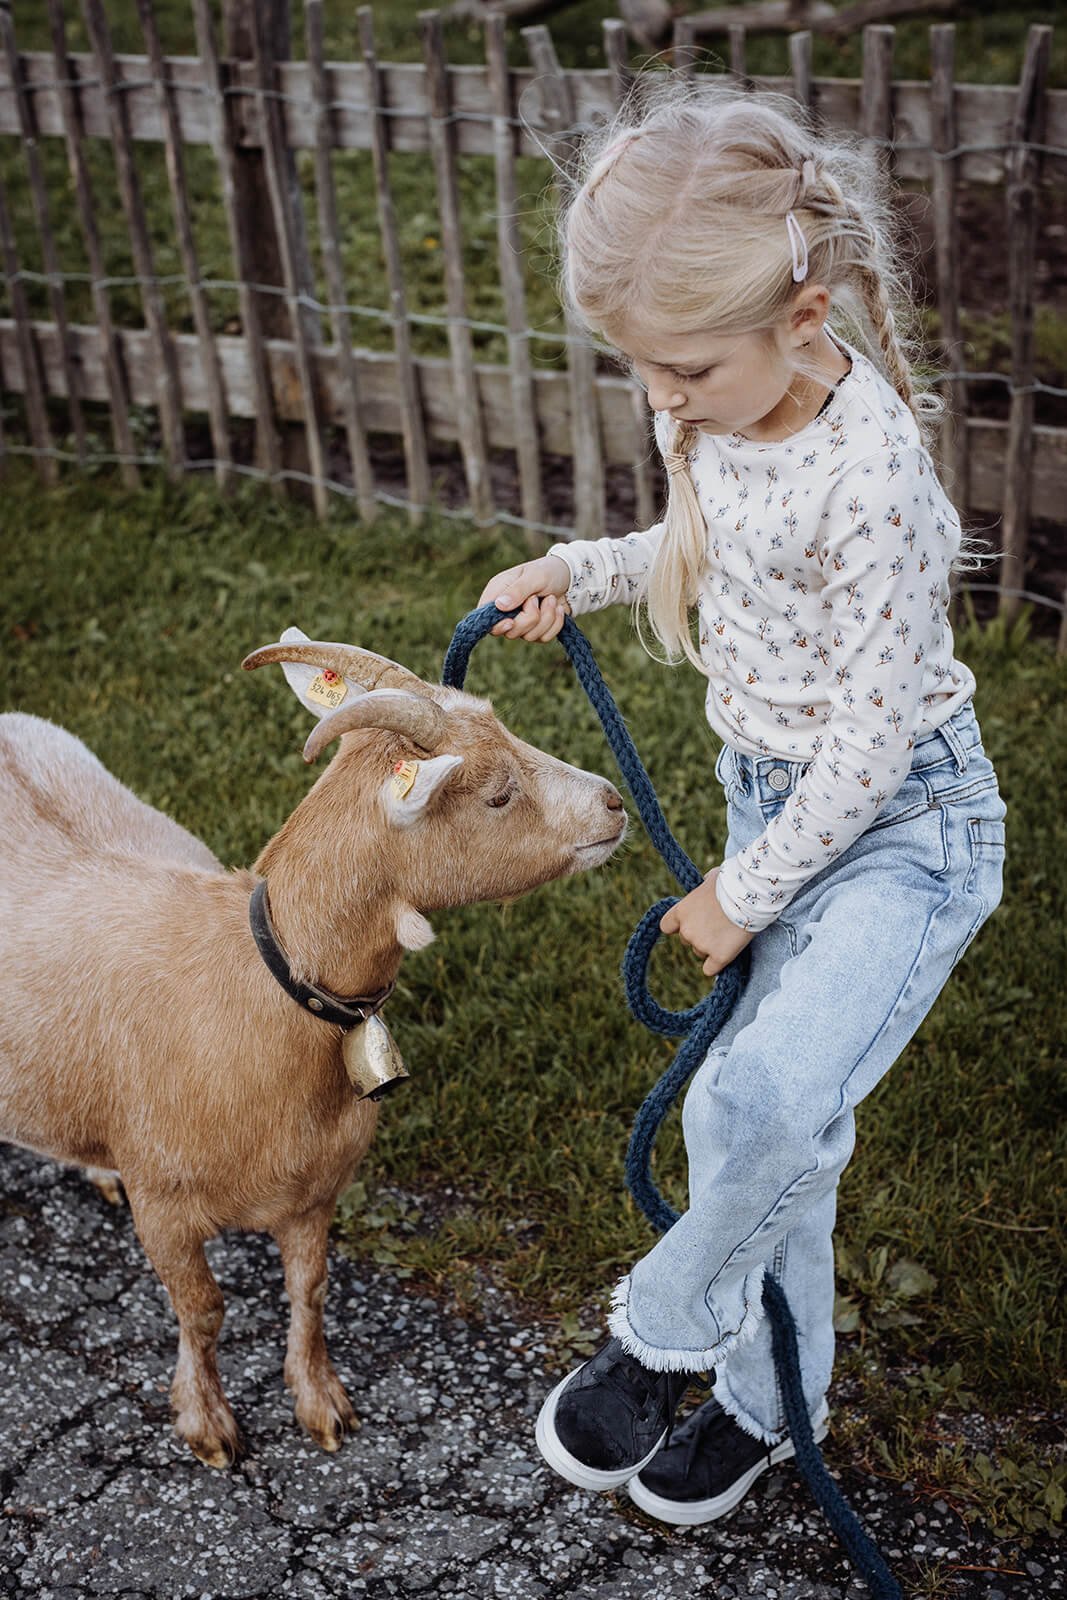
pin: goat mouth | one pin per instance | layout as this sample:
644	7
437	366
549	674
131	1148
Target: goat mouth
603	844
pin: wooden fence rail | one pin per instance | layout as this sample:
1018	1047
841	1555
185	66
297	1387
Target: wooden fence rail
294	370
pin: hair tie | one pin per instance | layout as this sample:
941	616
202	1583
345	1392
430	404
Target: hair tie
798	245
675	461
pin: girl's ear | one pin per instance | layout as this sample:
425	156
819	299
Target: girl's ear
810	308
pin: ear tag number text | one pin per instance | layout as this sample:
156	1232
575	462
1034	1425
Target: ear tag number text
327	688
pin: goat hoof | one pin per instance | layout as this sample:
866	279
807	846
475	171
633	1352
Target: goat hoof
329	1416
217	1446
107	1183
219	1454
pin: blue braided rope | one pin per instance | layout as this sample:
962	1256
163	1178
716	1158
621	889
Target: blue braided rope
478	623
698	1027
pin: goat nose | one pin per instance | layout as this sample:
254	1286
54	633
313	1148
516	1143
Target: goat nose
614	800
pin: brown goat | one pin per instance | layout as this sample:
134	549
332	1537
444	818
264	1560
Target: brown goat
142	1033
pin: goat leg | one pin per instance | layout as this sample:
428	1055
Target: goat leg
202	1415
322	1405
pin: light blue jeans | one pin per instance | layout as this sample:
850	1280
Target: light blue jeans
838	985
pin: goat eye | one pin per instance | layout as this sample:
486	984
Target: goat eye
502	798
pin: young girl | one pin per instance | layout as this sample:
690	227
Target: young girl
712	242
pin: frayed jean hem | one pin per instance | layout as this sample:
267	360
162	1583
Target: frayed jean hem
661	1358
744	1419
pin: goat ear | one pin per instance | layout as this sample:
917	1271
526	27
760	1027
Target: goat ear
412	785
300	677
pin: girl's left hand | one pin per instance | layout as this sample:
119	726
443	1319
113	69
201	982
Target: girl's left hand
702	924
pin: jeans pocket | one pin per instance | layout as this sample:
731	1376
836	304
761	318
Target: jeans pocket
984	883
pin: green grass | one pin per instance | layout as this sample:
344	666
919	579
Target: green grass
124	617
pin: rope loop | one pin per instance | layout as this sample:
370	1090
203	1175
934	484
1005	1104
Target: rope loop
700	1026
643	1008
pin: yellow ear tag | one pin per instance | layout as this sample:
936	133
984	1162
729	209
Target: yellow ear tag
327	688
404	775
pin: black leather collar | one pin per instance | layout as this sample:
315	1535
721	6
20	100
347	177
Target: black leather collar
346	1013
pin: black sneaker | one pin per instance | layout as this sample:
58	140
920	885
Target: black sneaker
708	1467
607	1418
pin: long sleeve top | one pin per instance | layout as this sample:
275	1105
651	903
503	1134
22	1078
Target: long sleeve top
822	612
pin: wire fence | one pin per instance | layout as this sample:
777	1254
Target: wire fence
314	401
306	300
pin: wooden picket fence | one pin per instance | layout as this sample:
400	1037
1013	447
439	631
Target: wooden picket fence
256	109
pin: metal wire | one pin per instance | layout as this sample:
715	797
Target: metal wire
301	299
347	491
308	301
252	91
311	302
362	108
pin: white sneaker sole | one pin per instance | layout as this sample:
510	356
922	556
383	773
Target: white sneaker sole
690	1513
560	1459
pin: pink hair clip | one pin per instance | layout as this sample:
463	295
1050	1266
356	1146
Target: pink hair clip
798	244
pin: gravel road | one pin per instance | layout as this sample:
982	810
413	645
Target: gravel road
440	1493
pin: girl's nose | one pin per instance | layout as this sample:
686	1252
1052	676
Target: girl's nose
663	396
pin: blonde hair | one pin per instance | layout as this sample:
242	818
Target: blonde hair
674	215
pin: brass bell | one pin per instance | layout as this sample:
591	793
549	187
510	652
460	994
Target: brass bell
372	1060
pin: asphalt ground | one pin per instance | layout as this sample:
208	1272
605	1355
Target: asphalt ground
441	1492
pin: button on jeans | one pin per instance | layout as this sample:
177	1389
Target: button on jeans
837	987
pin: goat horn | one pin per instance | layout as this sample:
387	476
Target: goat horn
421	720
369	669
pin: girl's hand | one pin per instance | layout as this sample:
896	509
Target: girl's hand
701	923
538	587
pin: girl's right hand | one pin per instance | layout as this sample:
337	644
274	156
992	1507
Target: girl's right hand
539	588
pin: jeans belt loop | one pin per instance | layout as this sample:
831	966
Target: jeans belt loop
955	744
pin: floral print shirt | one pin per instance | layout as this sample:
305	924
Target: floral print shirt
823	618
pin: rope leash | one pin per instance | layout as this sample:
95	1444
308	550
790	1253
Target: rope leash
698	1027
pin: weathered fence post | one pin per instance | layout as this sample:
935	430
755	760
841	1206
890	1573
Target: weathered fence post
876	102
735	34
581	357
168	384
256	217
239	225
954	455
617	56
329	236
28	128
684	46
1023	171
183	217
800	67
284	189
33	385
79	172
412	422
443	152
509	250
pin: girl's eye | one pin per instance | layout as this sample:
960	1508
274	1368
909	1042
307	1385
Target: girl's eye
691	377
502	798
